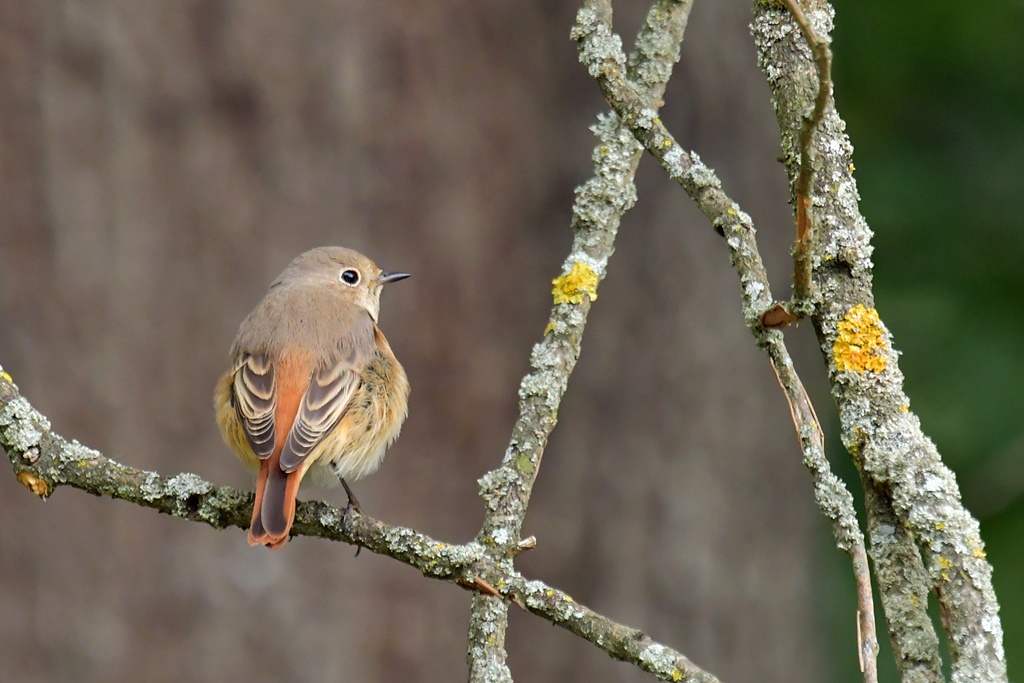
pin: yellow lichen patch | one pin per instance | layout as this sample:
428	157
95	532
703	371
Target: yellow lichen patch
860	345
945	563
34	484
904	409
4	376
939	526
547	330
677	675
979	553
570	288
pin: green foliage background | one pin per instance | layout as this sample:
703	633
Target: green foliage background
933	94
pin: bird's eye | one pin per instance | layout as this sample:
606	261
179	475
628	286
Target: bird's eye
349	276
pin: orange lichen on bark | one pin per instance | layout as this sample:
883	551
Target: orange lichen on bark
570	288
34	484
861	342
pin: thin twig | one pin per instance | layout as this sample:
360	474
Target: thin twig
834	500
803	283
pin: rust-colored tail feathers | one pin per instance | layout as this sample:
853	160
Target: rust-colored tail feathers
274	510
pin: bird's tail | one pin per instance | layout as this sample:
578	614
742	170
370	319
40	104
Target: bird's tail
274	509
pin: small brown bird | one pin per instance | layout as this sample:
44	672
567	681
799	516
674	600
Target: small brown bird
313	386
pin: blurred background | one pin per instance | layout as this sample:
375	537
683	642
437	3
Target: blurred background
161	162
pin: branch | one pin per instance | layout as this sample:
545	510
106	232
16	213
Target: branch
598	53
802	280
43	461
834	500
899	464
597	212
899	569
485	653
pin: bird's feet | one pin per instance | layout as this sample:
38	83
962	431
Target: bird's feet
353	504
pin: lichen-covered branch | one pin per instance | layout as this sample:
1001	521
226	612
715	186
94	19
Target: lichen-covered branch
899	568
485	653
834	500
900	465
44	461
597	212
599	52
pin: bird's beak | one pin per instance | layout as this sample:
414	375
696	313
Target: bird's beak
385	278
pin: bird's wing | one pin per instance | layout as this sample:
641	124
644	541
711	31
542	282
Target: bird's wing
255	401
325	402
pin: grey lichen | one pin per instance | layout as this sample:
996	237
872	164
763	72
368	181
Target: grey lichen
21	425
658	657
187	484
151	488
597	264
75	452
604	55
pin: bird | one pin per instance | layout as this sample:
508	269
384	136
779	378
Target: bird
314	392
